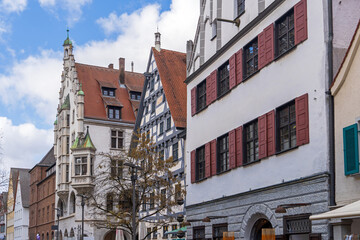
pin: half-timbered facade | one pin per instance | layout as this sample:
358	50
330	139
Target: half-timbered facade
258	119
162	115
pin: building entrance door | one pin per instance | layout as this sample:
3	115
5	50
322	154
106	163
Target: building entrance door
257	229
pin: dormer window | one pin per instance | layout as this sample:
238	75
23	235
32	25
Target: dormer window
114	112
135	95
110	92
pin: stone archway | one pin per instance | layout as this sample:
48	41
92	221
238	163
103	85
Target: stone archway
110	235
253	215
256	231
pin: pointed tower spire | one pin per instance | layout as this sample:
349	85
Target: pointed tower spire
158	41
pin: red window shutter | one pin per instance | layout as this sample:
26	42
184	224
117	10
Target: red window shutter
262	138
239	66
261	50
207	160
208	90
302	120
193	101
213	157
232	149
269	44
214	85
270	130
232	77
193	166
300	22
239	147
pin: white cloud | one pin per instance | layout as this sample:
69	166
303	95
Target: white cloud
23	145
34	81
13	5
72	7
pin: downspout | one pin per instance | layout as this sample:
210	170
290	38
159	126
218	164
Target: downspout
331	112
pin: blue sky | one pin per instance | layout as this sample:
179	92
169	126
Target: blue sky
31	37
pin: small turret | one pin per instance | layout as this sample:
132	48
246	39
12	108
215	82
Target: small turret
158	41
67	46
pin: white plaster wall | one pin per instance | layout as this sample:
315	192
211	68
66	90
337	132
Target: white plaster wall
283	80
21	217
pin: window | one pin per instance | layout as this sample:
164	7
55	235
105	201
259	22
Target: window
199	233
135	95
168	123
223	79
152	83
177	191
218	231
214	29
200	163
67	173
351	149
251	58
117	139
285	33
114	112
286	127
163	197
297	226
148	232
154	232
108	92
161	130
73	116
162	155
175	151
146	109
201	96
144	203
67	120
67	145
116	170
80	166
240	7
91	166
152	201
261	5
165	229
251	142
109	202
223	155
153	105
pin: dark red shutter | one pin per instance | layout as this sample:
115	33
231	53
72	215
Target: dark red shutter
269	44
300	22
239	66
261	50
207	160
193	166
262	136
232	77
208	90
270	132
232	149
239	152
213	157
214	85
302	120
193	101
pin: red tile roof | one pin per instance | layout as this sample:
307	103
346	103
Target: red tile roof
93	77
172	69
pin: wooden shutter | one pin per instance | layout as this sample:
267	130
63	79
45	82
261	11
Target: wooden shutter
302	120
207	160
270	132
239	66
232	149
239	146
213	157
261	50
232	77
351	149
208	90
269	44
193	166
214	85
262	138
193	101
300	22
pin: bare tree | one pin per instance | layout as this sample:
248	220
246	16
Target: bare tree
157	190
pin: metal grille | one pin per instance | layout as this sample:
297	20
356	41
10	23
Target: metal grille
298	226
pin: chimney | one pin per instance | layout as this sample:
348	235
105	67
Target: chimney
157	41
111	66
122	70
132	66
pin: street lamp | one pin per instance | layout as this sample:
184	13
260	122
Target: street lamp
83	197
58	214
134	169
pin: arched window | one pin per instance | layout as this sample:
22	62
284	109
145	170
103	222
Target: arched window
61	208
66	233
72	203
72	233
66	53
109	202
47	236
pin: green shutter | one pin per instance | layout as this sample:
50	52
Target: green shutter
351	149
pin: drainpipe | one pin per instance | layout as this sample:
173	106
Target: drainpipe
331	112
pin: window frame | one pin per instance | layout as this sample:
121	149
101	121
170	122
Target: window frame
108	92
251	58
168	124
223	79
279	127
175	151
254	140
222	165
213	30
239	11
79	167
112	112
276	34
161	128
116	168
153	107
199	228
215	226
200	163
201	96
117	139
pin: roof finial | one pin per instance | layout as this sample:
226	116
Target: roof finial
67	30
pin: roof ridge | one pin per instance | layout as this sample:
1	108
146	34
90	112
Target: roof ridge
111	69
169	50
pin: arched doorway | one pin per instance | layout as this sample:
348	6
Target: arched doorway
110	235
258	226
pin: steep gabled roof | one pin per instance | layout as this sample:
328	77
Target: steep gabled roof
93	77
47	161
172	69
24	178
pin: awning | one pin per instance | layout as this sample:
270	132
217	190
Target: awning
350	210
176	230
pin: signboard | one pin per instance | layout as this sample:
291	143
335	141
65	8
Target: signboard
268	234
54	227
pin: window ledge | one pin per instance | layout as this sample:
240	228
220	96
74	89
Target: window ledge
224	94
211	39
284	53
357	175
238	16
246	78
117	149
250	163
287	150
202	109
223	172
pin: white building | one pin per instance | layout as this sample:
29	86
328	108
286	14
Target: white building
258	118
21	210
93	101
162	114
